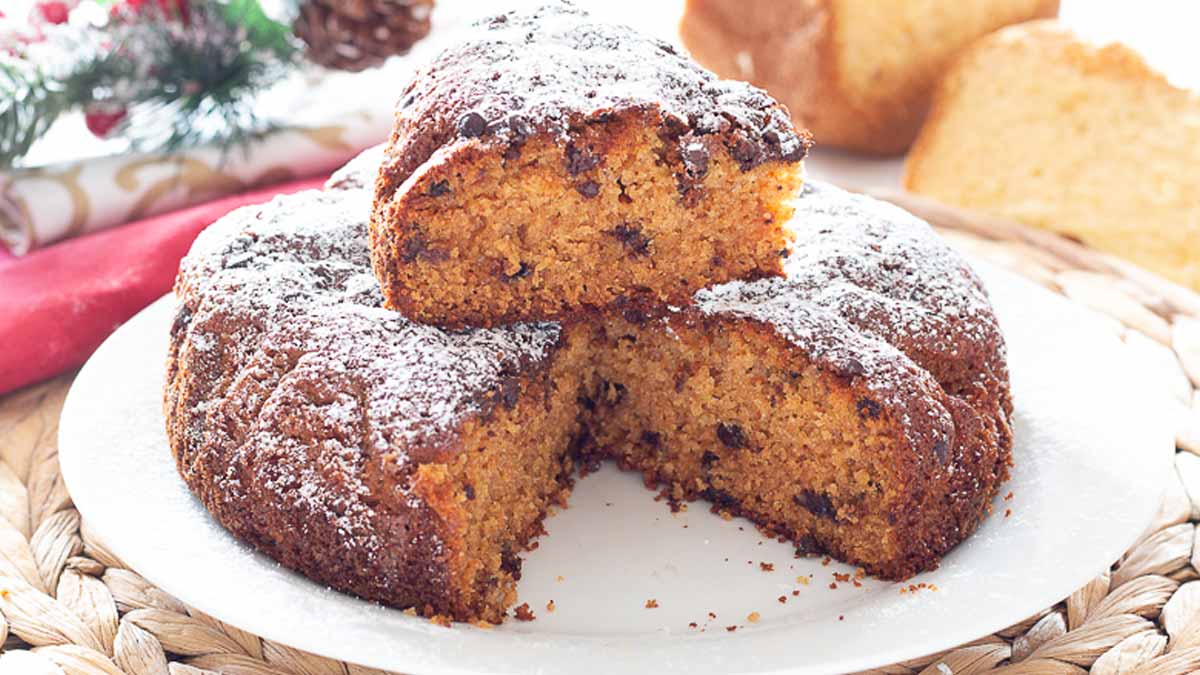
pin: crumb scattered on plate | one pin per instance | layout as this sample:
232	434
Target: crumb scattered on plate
523	613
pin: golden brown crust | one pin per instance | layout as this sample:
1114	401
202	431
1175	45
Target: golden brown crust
791	50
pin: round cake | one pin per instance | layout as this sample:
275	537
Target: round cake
859	405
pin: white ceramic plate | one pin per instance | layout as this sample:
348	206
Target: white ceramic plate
1092	452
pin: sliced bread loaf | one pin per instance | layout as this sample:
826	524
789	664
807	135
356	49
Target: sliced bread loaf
1035	124
856	73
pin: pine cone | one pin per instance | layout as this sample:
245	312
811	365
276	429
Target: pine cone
358	34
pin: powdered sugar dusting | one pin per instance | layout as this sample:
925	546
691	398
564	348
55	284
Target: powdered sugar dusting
872	293
282	295
551	69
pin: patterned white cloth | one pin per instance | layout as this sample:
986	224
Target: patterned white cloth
42	205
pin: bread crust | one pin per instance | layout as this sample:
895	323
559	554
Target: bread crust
802	35
1042	175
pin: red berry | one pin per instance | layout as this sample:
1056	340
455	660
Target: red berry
100	121
54	12
159	9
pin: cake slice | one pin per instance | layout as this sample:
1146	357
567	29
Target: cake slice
856	73
549	165
1039	126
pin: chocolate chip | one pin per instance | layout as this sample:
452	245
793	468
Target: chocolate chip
852	367
579	161
439	188
510	562
510	391
523	271
709	458
797	152
624	197
182	319
413	247
416	246
469	491
941	450
818	503
695	160
636	316
652	439
633	239
732	436
520	127
720	498
868	408
807	545
580	441
586	402
589	190
746	153
471	125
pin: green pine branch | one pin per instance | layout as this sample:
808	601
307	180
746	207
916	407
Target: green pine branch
29	104
183	85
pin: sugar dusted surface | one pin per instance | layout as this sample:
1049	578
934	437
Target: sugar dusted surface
871	292
302	263
552	68
294	393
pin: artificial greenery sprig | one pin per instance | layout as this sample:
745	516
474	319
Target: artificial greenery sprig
165	75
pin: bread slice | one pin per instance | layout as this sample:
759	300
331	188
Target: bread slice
1034	124
550	165
856	73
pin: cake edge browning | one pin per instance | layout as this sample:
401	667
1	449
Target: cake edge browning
228	453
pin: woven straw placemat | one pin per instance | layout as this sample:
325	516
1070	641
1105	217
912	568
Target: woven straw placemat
67	605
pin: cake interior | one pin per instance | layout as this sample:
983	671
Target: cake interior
731	415
512	467
728	414
543	230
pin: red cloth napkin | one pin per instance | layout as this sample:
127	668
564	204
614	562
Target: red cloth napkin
59	303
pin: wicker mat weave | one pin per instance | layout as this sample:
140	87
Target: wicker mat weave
67	605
